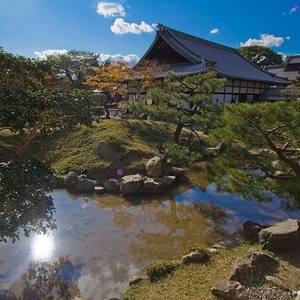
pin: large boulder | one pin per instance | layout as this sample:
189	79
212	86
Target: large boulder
131	184
85	185
253	266
112	185
229	289
71	180
282	236
154	185
153	167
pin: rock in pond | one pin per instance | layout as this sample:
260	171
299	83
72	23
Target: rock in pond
153	167
154	185
71	180
131	184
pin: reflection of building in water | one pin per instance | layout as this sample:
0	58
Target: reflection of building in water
187	55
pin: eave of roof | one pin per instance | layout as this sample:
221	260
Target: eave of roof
294	59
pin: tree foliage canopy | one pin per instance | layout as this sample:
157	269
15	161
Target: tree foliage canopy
263	147
186	100
110	77
261	56
74	66
29	105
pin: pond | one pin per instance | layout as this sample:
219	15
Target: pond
102	241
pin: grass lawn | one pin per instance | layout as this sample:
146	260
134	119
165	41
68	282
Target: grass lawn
194	282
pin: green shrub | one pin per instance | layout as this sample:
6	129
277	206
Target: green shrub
160	269
180	155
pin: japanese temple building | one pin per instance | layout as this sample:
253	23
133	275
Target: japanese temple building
289	69
186	54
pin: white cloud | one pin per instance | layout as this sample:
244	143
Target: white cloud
122	27
46	53
294	9
110	9
132	59
214	31
267	40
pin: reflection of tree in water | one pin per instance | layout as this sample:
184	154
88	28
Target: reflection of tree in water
122	218
24	203
162	226
55	281
252	186
211	211
182	226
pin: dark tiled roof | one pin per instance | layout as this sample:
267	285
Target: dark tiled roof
295	59
181	68
224	60
289	69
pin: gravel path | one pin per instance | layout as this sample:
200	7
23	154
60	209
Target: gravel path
269	293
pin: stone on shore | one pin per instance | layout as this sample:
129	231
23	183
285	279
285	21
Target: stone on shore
253	265
154	185
112	185
283	236
197	257
153	167
71	180
85	185
229	289
131	184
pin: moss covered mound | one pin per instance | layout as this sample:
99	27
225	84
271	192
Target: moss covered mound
102	149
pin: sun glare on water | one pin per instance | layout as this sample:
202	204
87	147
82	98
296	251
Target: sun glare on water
42	247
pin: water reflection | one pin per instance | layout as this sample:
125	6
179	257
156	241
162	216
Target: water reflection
104	240
238	209
42	247
25	206
56	280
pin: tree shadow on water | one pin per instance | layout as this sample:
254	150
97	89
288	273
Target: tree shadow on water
24	203
53	281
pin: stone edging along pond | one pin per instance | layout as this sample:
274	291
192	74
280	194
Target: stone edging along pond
156	177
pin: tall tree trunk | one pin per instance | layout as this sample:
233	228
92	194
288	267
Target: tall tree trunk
177	132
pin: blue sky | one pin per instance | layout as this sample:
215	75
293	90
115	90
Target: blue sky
126	28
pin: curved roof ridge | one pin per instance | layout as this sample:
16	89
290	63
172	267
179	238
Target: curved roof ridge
149	48
179	46
174	31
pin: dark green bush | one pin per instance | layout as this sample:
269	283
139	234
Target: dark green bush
160	269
